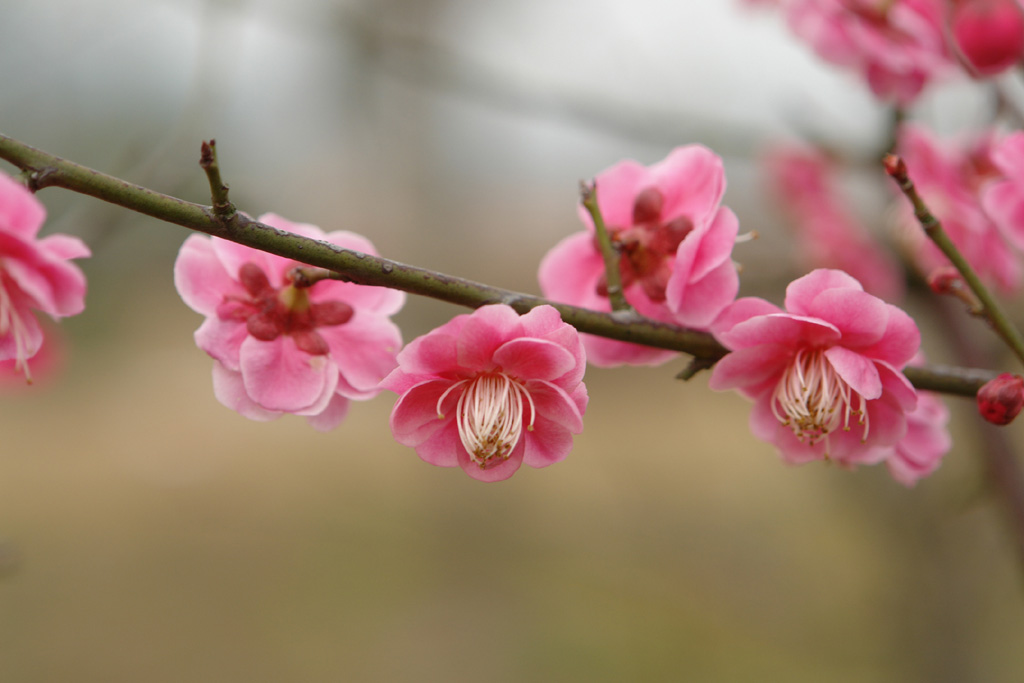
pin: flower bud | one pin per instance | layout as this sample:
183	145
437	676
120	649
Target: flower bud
989	34
1001	399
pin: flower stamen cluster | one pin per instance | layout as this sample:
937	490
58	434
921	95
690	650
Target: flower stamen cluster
813	400
489	415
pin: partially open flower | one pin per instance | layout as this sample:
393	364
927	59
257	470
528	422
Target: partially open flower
675	246
825	374
1001	399
491	390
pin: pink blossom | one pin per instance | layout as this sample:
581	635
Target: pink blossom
825	374
675	244
952	177
920	452
280	347
1003	198
898	46
491	390
989	34
828	234
34	274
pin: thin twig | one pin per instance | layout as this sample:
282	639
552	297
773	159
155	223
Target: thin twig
612	274
990	308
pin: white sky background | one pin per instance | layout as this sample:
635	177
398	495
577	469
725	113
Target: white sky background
321	122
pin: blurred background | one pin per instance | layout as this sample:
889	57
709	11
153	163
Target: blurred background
147	533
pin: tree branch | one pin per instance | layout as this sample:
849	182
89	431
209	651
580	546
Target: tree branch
46	170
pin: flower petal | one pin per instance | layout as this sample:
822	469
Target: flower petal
801	292
856	370
278	376
526	358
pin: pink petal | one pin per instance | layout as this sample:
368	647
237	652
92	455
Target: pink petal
617	188
498	472
233	256
571	270
705	299
546	444
801	292
749	367
414	418
525	358
21	214
740	311
364	348
200	277
331	416
442	447
483	332
278	376
860	317
229	389
780	328
555	404
692	180
63	247
610	353
55	287
856	370
900	341
222	340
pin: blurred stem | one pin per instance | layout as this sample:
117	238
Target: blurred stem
990	308
613	276
46	170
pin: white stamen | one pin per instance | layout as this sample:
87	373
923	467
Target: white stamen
11	323
813	400
490	416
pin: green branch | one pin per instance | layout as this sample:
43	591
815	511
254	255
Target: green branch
46	170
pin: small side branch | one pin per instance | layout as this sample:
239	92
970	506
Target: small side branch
612	274
222	206
990	308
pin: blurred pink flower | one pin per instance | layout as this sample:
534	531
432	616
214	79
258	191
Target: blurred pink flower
828	234
825	374
675	244
280	348
1003	198
989	34
34	274
491	390
952	178
898	46
920	452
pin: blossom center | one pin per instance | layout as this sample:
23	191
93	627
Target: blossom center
813	400
12	324
647	246
490	416
269	312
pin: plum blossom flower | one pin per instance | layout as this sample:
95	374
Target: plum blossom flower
898	46
675	244
829	235
491	390
825	374
958	181
280	346
34	274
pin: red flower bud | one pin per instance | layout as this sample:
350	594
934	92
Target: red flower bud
1001	399
989	34
945	280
